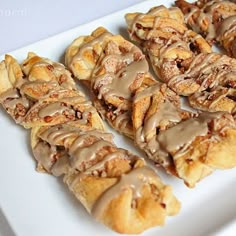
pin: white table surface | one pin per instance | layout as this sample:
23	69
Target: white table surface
26	21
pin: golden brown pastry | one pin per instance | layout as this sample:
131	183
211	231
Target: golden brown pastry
68	139
215	20
115	186
42	93
114	69
154	110
215	74
184	60
187	145
167	41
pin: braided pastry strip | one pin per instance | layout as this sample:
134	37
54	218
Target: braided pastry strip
114	69
167	41
42	93
189	146
115	186
215	20
157	119
68	139
183	60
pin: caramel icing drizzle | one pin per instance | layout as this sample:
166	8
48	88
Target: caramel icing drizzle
64	149
77	150
135	180
171	141
216	20
206	13
122	80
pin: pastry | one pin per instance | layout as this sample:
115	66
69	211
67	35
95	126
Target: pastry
114	69
42	93
167	41
115	186
154	110
215	74
68	139
188	145
215	20
183	60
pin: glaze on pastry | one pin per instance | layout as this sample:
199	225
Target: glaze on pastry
114	68
183	60
215	20
68	139
154	110
187	145
42	93
115	186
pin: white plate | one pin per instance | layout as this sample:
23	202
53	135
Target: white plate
38	204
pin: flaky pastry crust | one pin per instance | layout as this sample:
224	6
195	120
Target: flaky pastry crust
114	69
42	92
183	60
177	140
155	112
215	20
68	139
115	186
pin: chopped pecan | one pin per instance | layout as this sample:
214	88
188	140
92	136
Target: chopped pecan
20	109
62	79
50	67
48	119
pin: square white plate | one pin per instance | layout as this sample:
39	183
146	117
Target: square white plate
40	205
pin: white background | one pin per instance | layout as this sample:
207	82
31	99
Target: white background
27	21
24	22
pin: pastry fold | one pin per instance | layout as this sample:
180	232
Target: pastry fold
184	61
115	186
41	92
188	145
214	19
68	139
114	69
153	110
